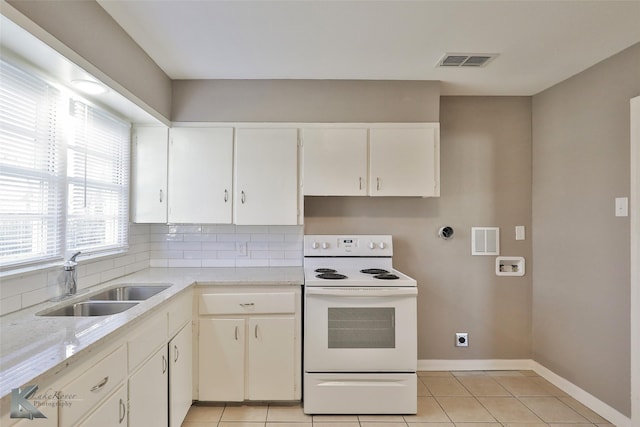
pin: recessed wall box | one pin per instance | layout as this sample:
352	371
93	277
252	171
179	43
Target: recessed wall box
510	266
485	240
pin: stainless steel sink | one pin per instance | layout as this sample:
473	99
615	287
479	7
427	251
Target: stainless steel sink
129	293
90	308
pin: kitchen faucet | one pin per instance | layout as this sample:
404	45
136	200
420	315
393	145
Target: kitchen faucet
70	275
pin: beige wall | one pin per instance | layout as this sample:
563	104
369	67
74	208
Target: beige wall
305	101
581	286
485	181
87	29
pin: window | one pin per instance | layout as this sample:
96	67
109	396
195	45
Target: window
31	168
64	173
97	180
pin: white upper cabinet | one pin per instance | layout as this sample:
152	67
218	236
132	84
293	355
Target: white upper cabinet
149	177
404	161
200	175
266	176
335	162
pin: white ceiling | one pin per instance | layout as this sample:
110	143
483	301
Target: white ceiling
539	43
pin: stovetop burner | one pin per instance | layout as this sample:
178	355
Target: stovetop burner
386	276
324	270
331	276
374	271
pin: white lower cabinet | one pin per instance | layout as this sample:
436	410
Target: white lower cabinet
221	359
112	413
249	348
149	392
91	387
271	358
180	375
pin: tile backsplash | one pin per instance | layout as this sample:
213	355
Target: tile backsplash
225	246
153	245
30	288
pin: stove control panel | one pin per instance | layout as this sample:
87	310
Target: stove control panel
328	245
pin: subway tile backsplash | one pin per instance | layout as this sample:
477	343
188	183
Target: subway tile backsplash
30	288
225	246
153	245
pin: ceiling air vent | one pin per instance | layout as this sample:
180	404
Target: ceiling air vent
466	59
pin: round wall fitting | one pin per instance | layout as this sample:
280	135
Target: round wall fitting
446	232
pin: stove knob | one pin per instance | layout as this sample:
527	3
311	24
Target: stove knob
325	245
382	245
315	245
372	245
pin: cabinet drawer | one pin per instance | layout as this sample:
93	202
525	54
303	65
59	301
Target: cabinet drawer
180	312
94	385
146	339
248	303
111	413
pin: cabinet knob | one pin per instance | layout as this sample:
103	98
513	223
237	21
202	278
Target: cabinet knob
242	197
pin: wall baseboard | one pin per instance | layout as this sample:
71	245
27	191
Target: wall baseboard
615	417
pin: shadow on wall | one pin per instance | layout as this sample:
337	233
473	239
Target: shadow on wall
349	208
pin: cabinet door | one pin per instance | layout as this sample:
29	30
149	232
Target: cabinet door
335	162
149	175
266	186
111	413
180	376
148	392
403	162
200	175
221	360
271	360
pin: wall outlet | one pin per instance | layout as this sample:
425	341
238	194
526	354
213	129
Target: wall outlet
241	248
462	339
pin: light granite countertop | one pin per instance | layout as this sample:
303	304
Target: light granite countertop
37	348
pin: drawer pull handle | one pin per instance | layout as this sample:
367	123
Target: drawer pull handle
123	411
236	333
101	384
359	183
247	304
226	196
176	353
243	197
255	331
164	364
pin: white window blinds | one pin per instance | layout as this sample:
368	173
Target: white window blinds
98	180
31	169
64	173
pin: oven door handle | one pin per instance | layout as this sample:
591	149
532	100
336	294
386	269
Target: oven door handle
362	292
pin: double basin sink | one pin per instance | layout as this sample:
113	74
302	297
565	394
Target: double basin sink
109	301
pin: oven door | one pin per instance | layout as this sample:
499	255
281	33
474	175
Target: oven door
360	329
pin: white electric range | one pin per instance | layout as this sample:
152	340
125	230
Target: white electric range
360	341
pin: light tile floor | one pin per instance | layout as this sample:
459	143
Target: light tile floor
445	399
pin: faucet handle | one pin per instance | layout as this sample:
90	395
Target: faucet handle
71	263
